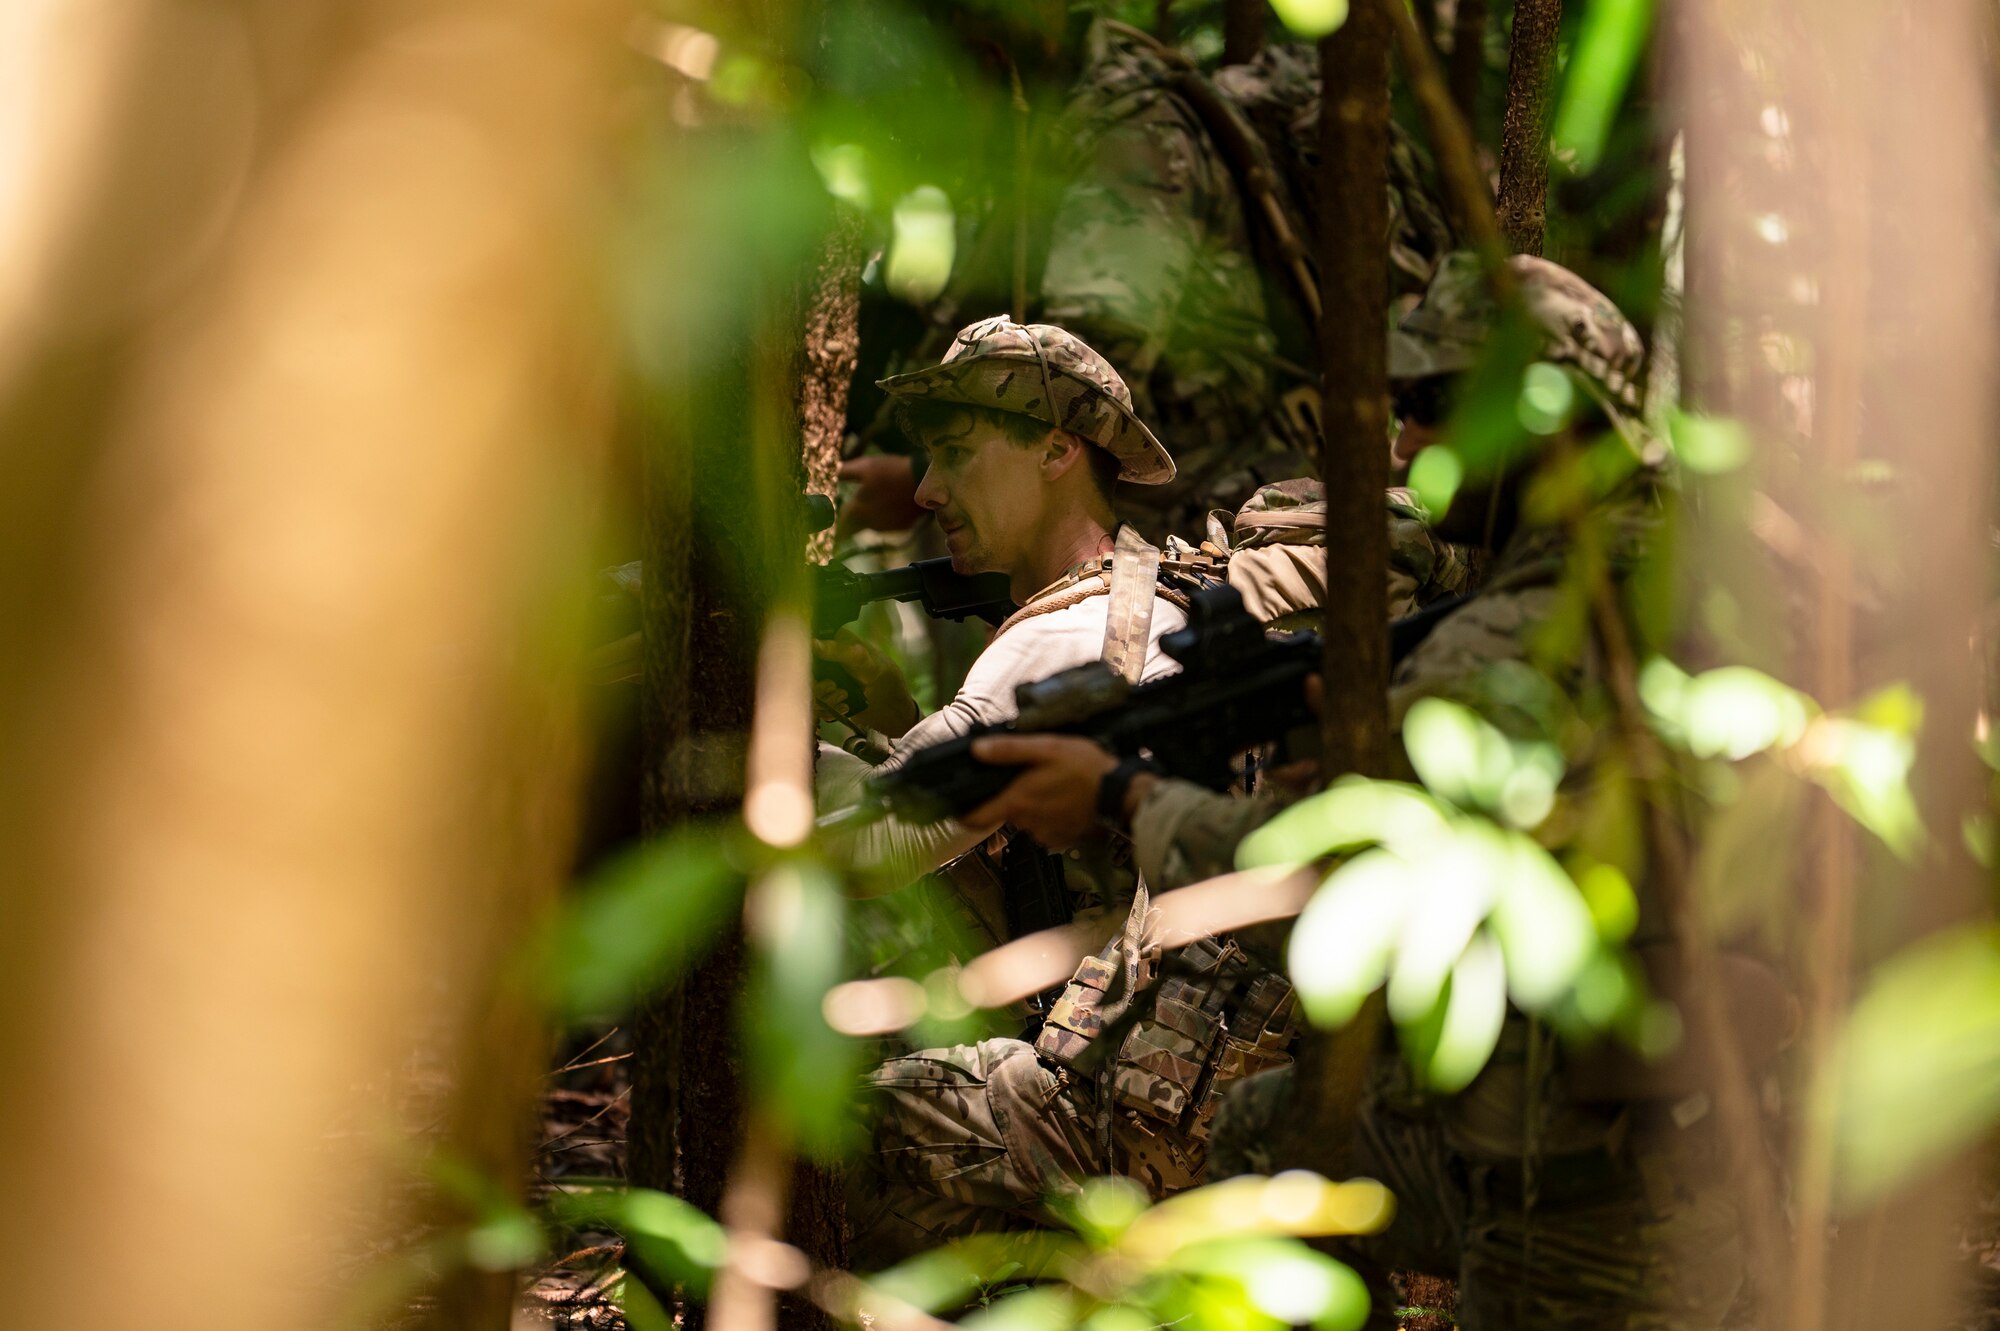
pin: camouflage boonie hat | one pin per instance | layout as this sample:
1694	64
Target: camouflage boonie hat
1048	374
1449	326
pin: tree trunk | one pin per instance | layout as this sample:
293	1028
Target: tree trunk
286	743
1524	139
1243	30
1354	463
1467	66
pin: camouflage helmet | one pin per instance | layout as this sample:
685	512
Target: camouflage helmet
1446	330
1050	375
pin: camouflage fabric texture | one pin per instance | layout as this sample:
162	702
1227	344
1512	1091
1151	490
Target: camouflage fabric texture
1277	559
1448	328
1048	374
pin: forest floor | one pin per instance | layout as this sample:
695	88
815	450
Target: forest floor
584	1114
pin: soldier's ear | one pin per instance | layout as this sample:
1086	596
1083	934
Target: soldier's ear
1061	451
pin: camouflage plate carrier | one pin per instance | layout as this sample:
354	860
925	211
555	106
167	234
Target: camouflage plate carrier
1186	1028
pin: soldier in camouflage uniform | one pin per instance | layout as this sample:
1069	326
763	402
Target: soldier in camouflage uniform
1161	255
1552	1207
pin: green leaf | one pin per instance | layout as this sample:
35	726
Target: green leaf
638	923
1467	761
1866	769
1542	925
1458	884
804	1070
667	1236
1607	48
1475	1008
1311	19
1342	944
1354	812
1284	1280
947	1276
1709	444
1043	1309
1916	1075
924	247
1743	873
1435	475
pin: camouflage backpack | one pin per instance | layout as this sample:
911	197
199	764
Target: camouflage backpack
1276	548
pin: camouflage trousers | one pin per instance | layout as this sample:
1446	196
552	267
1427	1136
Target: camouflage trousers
967	1140
1642	1236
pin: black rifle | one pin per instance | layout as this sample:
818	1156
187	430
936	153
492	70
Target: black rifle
1238	687
840	592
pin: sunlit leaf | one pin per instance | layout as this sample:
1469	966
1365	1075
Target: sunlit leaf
1311	19
947	1276
1917	1071
1044	1309
924	246
667	1236
639	922
1296	1202
1106	1207
1475	1008
1341	946
1285	1280
1546	398
1353	812
803	1068
1542	925
1468	761
1435	474
1866	770
1608	896
1459	882
1607	48
1711	444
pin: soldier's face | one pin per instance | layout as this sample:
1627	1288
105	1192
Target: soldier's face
990	497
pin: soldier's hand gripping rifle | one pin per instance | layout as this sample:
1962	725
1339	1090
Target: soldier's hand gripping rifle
1237	687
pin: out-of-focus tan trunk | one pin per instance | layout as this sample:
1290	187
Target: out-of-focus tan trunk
299	437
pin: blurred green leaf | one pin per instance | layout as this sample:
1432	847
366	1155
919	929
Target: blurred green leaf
1866	769
947	1276
667	1236
1469	762
1285	1280
1728	713
1608	896
1311	19
1044	1309
1709	444
638	923
1352	812
1475	1006
1345	937
804	1070
1546	398
924	246
1607	48
1435	475
1917	1071
1542	925
1743	870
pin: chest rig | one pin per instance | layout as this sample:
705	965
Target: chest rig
1164	1037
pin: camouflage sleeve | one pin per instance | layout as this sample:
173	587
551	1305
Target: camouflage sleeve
1184	833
